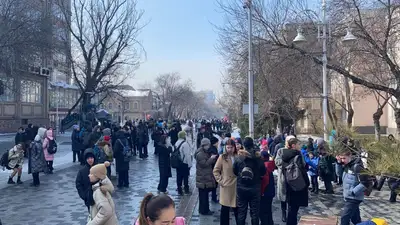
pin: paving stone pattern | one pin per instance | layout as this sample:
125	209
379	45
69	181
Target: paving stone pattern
56	201
376	205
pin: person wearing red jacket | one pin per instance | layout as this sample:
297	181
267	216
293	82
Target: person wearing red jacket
267	190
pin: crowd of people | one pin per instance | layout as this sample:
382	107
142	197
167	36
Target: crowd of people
238	174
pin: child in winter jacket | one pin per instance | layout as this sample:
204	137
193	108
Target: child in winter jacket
312	161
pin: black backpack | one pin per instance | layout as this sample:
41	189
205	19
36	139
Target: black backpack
126	151
52	148
293	174
4	159
176	159
247	175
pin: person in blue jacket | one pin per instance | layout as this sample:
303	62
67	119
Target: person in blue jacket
312	161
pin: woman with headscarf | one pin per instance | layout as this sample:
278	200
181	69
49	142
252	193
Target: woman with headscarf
37	162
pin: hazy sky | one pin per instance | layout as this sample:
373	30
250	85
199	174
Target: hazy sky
180	38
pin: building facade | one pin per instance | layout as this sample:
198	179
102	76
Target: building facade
129	104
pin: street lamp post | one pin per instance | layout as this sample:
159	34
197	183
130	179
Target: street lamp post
248	5
346	39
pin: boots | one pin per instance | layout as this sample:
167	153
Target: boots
19	180
10	181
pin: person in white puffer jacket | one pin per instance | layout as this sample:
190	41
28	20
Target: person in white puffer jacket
183	173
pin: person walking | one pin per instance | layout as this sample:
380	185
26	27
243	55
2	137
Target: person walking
164	150
295	198
183	172
82	181
204	175
214	151
143	140
223	174
122	163
36	161
16	160
249	168
103	210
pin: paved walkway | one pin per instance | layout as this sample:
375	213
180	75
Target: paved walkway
56	201
377	205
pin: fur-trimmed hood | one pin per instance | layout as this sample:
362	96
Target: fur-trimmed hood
251	153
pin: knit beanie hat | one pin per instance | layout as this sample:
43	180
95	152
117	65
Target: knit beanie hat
379	221
205	141
107	132
100	170
214	140
107	138
182	134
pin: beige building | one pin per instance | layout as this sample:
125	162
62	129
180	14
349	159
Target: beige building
129	104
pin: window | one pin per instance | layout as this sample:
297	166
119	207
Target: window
127	105
9	89
31	91
110	105
136	105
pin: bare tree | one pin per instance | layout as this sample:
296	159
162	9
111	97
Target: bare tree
105	49
22	31
172	92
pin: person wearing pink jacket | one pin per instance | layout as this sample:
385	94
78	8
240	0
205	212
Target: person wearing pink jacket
47	142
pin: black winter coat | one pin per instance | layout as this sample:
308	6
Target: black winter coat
164	160
142	135
174	135
299	198
253	160
20	138
82	182
76	141
118	149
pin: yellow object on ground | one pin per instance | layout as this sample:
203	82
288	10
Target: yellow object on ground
379	221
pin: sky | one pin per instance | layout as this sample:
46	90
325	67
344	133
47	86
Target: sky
180	37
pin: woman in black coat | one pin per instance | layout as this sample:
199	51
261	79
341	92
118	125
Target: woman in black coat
164	151
122	166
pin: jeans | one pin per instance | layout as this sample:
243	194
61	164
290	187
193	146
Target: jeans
35	177
204	205
225	215
293	210
314	183
266	210
246	197
163	184
123	178
350	212
182	175
75	155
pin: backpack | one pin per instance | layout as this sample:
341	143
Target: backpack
4	159
100	154
293	174
247	175
176	159
126	151
52	148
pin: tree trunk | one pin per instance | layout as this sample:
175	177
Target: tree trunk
350	110
397	117
376	117
331	116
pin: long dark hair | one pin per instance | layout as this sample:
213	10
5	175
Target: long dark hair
152	206
233	144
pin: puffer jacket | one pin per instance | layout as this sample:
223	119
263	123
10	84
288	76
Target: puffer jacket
354	183
103	212
249	158
204	169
